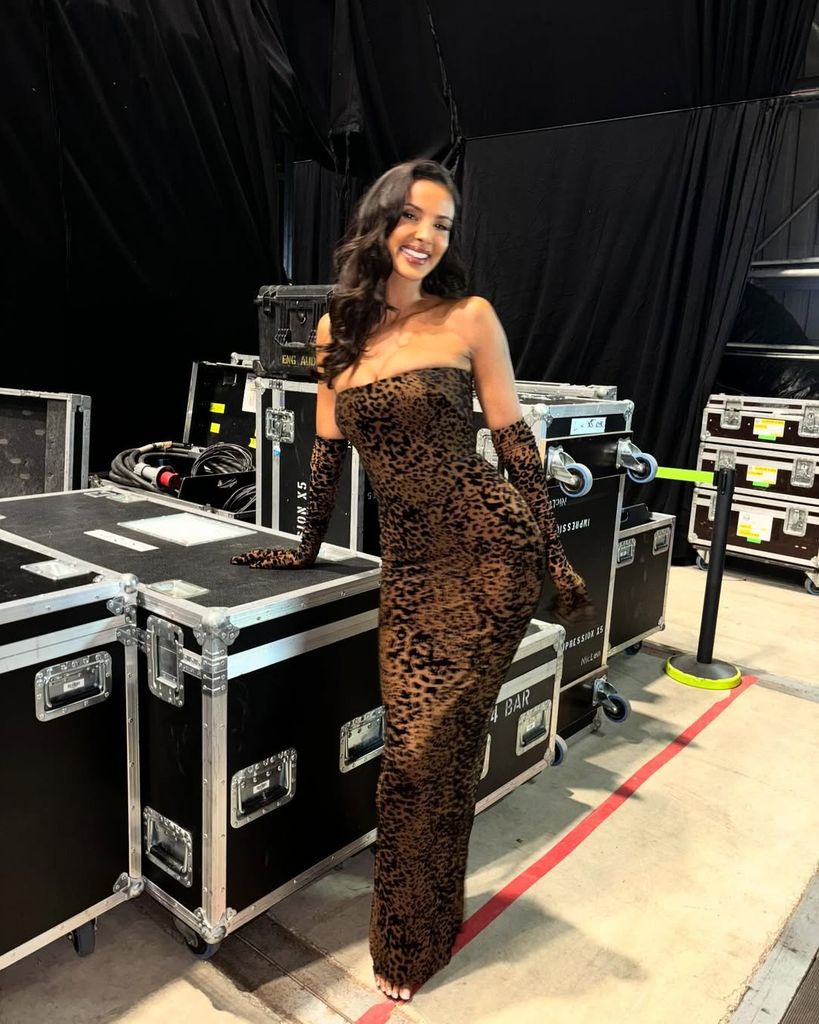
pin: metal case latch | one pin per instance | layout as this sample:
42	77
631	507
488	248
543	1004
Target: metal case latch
661	541
796	522
731	417
726	459
712	508
262	787
362	739
625	551
533	727
280	426
165	649
809	425
72	685
168	845
804	472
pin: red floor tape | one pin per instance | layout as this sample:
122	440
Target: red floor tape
493	908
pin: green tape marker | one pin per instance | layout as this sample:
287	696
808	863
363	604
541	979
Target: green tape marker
691	476
756	483
753	540
767	437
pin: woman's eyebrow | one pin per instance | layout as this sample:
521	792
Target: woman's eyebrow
441	216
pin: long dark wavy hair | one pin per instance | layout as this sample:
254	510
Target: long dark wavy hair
363	263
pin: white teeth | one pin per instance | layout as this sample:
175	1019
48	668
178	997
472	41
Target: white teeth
415	253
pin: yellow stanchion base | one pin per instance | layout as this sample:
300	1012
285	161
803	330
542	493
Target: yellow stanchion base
713	675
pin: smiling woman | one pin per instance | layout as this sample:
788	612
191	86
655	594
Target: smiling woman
464	550
402	228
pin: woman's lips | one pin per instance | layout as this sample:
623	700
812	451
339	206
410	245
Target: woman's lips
416	257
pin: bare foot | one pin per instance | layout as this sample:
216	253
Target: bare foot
402	993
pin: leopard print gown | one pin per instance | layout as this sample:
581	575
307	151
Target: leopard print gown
463	563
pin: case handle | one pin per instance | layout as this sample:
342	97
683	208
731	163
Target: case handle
168	845
362	739
533	726
72	685
262	787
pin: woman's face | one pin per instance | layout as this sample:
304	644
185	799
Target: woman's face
421	236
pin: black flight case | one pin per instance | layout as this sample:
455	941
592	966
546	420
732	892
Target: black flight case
69	785
259	711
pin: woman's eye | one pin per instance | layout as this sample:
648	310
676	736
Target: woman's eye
409	214
442	227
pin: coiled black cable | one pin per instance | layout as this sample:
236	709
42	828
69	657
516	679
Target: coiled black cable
224	457
243	499
131	469
158	467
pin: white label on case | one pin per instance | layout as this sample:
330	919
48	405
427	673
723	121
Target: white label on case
78	685
117	538
755	526
762	474
592	425
261	786
249	396
769	428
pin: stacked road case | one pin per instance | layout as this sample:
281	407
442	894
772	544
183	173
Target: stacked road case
69	785
773	444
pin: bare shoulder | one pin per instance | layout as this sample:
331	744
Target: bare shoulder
322	337
476	321
475	313
323	330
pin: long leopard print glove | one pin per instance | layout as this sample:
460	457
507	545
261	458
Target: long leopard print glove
326	462
517	448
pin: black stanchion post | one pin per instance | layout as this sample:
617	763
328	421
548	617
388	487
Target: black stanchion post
725	479
703	671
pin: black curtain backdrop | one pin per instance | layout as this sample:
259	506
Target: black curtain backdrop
139	198
617	252
324	201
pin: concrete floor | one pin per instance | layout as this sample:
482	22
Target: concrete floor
662	913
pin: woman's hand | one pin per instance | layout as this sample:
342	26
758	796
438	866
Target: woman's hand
273	558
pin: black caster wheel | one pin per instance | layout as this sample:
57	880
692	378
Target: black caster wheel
811	588
201	949
84	938
635	648
702	564
647	471
618	710
561	750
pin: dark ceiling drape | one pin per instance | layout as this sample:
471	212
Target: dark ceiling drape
410	78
